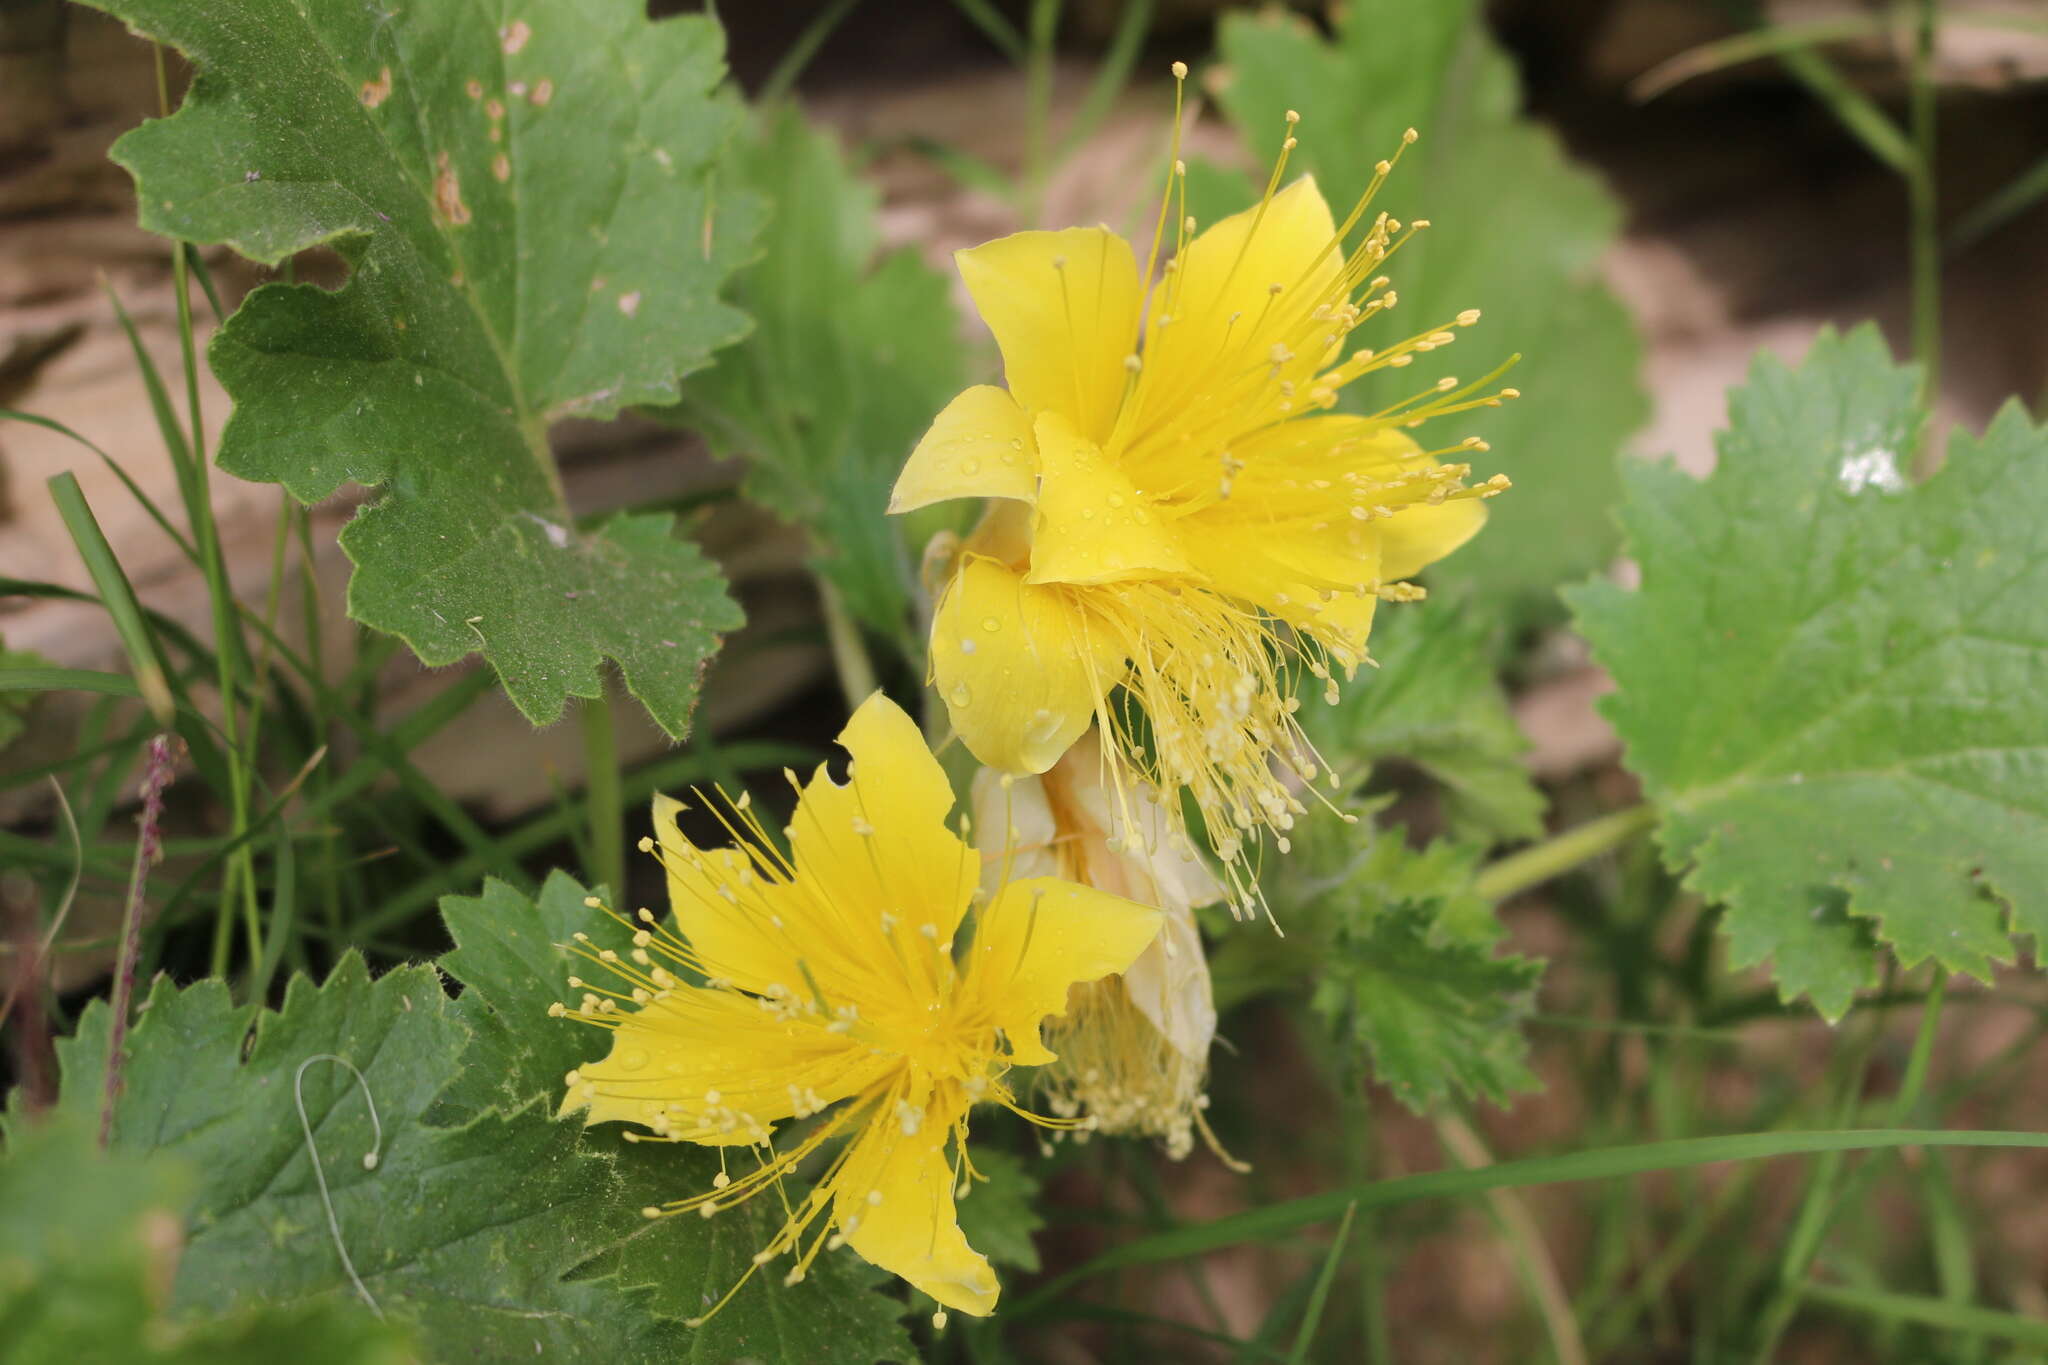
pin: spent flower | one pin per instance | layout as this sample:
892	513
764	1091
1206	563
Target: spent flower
1133	1048
838	988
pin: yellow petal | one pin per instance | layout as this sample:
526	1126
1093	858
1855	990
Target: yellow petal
1092	525
911	1229
979	446
695	1043
1225	316
1416	537
731	938
1021	667
878	845
1040	936
1320	580
1064	309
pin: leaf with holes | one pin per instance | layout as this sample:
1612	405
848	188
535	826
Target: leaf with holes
1411	975
1515	231
523	197
1434	702
1830	681
849	359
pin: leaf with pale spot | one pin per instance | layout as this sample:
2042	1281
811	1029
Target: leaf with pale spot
1830	681
525	203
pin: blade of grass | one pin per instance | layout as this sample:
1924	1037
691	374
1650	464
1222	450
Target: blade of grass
994	27
1112	74
1312	1316
1926	1312
116	593
1724	53
1606	1163
605	804
64	902
799	53
1525	1244
205	277
2025	190
155	513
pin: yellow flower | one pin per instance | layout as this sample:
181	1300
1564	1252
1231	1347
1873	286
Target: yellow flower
1169	488
1134	1048
832	986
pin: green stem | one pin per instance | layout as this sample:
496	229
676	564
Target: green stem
1525	1243
849	652
241	871
1045	21
1817	1207
1926	235
607	807
1560	854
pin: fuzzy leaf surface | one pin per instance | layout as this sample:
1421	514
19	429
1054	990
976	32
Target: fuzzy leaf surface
1515	230
88	1241
849	360
521	196
1830	680
1413	977
464	1234
511	966
1435	701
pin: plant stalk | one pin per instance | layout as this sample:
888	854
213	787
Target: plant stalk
1531	867
148	851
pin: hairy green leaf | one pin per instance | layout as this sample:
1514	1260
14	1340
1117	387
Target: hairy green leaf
1412	976
1515	231
88	1242
1434	701
525	203
849	359
1830	681
466	1233
512	967
1000	1215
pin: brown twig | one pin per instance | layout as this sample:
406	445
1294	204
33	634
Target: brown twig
149	850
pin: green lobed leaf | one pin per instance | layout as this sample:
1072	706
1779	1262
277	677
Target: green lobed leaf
512	967
849	359
1515	230
1000	1215
1411	975
88	1244
465	1234
1434	701
524	199
1829	680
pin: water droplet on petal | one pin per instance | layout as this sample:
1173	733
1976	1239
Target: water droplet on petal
1116	500
632	1061
970	467
990	624
959	696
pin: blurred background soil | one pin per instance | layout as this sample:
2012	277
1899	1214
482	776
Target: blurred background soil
1752	221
